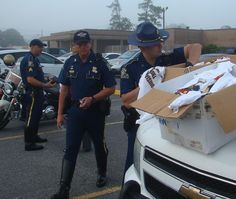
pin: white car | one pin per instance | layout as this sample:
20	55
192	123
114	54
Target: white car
123	59
64	57
110	56
107	56
50	64
164	170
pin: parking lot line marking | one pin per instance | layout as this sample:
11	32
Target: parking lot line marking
117	92
98	193
50	132
21	136
112	123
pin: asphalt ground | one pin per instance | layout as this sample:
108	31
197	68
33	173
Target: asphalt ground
35	175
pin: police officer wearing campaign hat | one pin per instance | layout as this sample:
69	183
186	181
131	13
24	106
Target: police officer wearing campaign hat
150	40
33	80
89	80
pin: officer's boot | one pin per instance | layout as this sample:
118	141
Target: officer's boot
65	181
102	168
30	144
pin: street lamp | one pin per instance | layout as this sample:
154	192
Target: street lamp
163	12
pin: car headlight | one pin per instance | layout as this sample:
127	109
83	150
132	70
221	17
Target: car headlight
137	155
8	88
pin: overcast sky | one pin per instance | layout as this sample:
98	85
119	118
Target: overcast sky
33	17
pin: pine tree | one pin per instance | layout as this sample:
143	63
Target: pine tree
150	12
117	22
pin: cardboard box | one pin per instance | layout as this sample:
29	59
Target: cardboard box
204	126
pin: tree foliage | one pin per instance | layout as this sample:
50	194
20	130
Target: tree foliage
117	22
150	12
11	37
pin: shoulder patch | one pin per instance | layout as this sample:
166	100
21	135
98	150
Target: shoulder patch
123	73
30	61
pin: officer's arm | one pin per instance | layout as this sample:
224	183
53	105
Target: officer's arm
36	83
63	94
106	92
192	52
130	97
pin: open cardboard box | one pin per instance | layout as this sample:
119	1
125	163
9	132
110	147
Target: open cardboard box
204	125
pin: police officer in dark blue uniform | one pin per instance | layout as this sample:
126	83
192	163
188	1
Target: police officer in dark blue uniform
33	79
150	40
89	80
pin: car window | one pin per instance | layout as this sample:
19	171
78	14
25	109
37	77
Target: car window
62	52
112	56
46	59
128	54
67	54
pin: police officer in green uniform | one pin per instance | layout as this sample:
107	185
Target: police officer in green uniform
89	80
33	79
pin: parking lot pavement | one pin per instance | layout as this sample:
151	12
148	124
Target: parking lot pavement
35	175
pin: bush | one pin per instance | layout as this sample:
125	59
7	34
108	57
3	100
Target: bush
212	48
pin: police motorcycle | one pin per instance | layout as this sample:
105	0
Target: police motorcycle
51	96
11	88
13	92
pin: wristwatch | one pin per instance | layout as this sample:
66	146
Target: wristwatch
188	63
93	99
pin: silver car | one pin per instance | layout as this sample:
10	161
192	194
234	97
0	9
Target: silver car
123	59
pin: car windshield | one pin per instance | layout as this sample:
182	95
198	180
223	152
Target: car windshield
67	54
128	54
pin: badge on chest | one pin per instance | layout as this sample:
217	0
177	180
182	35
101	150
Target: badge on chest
93	74
72	73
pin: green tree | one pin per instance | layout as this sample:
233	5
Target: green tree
11	37
150	12
117	22
212	48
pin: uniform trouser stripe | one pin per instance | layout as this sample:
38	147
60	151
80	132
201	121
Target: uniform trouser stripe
30	113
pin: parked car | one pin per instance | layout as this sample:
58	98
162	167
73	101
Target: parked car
7	48
64	57
57	52
164	170
123	59
51	64
109	56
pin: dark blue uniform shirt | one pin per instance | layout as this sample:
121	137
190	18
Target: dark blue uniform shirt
132	72
30	67
86	79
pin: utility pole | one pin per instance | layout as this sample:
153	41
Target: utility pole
164	20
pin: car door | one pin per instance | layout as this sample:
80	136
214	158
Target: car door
50	64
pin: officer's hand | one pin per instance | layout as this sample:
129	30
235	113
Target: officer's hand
60	120
50	84
86	102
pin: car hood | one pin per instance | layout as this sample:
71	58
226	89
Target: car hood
221	162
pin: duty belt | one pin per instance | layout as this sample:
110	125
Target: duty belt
76	103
